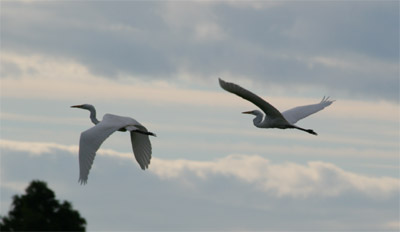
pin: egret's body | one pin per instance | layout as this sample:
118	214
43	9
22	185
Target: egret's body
91	139
273	118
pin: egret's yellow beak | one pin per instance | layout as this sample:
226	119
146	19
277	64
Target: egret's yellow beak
247	112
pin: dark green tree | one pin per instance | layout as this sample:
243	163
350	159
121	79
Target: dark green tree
39	210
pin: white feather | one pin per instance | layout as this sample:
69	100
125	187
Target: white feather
295	114
91	140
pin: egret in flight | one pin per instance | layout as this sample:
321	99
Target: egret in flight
273	118
92	138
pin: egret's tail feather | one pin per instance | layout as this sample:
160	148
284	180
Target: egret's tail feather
145	133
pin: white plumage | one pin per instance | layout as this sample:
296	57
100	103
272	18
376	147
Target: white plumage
273	118
91	139
295	114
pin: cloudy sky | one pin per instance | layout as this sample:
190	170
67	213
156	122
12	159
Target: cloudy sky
159	62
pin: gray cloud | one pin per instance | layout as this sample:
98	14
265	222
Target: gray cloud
10	69
272	44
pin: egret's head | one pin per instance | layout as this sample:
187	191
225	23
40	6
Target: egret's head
83	106
253	112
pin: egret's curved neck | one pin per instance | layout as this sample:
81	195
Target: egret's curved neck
258	120
93	115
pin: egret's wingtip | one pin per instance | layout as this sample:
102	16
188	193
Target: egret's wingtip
223	83
327	99
82	181
144	166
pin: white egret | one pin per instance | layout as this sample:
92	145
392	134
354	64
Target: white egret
273	118
92	138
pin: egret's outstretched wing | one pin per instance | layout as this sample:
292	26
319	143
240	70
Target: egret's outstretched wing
141	147
268	109
91	140
300	112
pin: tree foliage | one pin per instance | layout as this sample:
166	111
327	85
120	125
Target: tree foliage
39	210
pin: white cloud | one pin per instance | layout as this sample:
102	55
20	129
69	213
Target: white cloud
208	31
38	73
316	179
40	148
245	192
289	179
351	63
393	225
35	148
256	5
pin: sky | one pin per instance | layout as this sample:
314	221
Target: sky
211	169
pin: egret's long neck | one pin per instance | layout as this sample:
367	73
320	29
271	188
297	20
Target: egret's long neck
257	121
93	115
